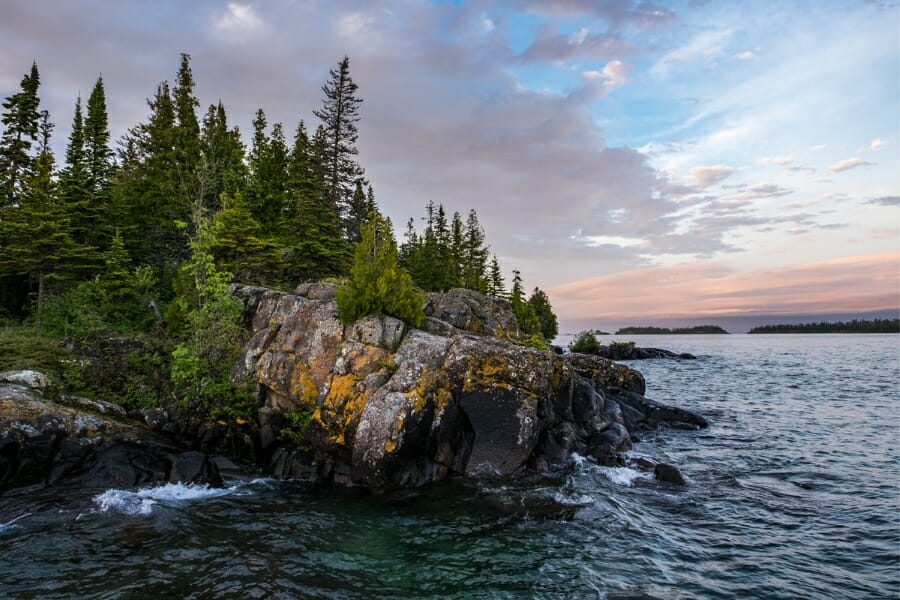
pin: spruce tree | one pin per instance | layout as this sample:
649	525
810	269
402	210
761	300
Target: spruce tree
37	233
540	306
98	155
528	321
474	255
339	115
21	126
358	213
75	184
495	280
314	245
239	247
377	284
221	168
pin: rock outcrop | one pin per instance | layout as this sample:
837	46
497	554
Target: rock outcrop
381	405
45	437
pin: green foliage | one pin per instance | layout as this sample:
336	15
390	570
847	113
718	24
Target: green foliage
377	284
298	421
28	348
535	341
585	343
201	363
540	305
20	121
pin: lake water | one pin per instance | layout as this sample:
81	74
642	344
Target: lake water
793	492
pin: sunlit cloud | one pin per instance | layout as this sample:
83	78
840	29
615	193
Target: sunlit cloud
847	164
878	143
707	176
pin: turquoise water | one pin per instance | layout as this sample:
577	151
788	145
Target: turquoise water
794	492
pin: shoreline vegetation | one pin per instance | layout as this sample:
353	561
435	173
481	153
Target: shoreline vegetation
125	253
854	326
704	329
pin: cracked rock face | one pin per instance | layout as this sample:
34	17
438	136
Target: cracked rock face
382	405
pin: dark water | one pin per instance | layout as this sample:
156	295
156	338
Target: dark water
794	492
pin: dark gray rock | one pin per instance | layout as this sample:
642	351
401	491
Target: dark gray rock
668	474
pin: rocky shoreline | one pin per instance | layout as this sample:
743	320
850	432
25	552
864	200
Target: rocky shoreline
373	404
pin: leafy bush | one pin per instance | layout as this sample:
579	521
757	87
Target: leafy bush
535	341
585	343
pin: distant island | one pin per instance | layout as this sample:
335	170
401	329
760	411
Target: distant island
854	326
667	331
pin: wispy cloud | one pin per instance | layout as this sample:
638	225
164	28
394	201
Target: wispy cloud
878	143
707	176
847	164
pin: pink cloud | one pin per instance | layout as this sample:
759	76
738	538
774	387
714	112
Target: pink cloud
850	284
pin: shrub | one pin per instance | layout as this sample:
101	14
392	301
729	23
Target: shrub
535	341
585	343
377	283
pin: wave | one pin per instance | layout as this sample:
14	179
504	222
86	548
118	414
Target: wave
141	502
11	524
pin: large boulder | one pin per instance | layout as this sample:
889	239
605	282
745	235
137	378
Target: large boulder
381	405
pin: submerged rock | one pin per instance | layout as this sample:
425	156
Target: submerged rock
383	406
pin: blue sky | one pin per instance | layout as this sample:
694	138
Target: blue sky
634	159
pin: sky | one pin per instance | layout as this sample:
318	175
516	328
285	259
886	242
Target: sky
639	161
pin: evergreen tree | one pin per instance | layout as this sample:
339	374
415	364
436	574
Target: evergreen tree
21	126
239	247
314	245
98	155
75	184
495	280
474	255
528	321
358	213
457	250
339	115
222	168
38	242
377	284
186	142
268	163
540	306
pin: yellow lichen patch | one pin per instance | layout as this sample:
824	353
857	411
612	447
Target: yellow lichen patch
303	386
342	407
392	442
493	371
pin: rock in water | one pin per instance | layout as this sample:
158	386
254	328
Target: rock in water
383	406
668	473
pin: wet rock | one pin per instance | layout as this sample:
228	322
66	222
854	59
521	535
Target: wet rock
668	474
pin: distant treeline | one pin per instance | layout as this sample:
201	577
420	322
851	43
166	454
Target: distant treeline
667	331
854	326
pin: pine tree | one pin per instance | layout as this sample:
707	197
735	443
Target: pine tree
495	280
268	162
528	322
540	306
377	284
358	213
222	168
38	241
239	247
97	154
474	255
457	250
186	140
75	184
314	245
339	115
21	126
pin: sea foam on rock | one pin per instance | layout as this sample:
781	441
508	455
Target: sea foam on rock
389	406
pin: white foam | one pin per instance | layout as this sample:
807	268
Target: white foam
141	502
11	524
577	459
621	475
578	500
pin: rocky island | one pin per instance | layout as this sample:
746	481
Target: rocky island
375	404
